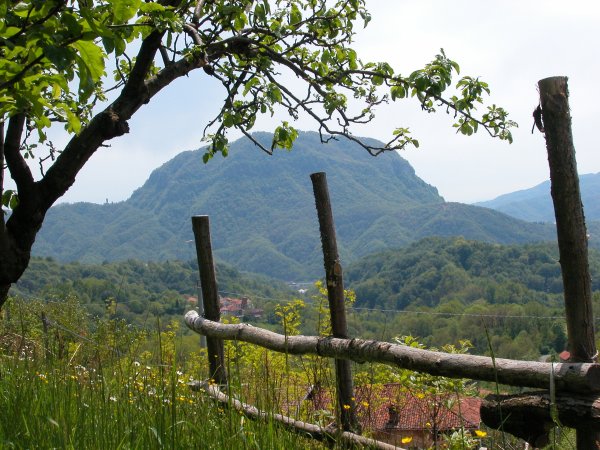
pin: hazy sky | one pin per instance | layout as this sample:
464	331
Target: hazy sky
511	44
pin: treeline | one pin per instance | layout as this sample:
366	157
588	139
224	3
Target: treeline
450	289
132	289
507	298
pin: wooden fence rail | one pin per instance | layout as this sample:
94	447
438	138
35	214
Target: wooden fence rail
568	377
319	433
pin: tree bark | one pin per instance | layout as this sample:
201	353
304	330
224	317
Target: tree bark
568	377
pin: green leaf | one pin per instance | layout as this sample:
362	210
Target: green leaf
295	15
398	91
92	56
61	57
124	10
10	199
250	84
151	7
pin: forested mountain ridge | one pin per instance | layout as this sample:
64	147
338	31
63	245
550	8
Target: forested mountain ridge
262	211
535	204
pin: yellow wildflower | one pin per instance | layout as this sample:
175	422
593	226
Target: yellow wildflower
406	440
480	433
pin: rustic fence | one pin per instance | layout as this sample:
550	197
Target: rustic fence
569	392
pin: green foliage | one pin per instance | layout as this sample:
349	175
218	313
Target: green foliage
450	289
105	383
289	315
134	290
54	54
53	61
86	383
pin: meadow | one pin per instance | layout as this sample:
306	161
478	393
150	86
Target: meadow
76	383
72	381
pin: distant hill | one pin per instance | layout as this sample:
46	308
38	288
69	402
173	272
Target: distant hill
263	218
505	296
535	204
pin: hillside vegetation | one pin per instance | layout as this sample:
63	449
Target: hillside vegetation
135	290
440	290
262	211
450	289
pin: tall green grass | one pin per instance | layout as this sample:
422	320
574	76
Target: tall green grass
69	381
82	384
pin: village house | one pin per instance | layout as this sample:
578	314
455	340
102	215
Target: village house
236	307
391	414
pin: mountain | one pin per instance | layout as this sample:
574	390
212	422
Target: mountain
535	204
262	212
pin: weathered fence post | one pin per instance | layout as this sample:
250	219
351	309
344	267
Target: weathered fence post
210	295
571	229
335	296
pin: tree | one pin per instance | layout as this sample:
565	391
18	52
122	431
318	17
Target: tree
53	71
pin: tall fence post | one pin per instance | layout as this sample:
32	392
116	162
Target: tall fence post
335	296
571	230
210	296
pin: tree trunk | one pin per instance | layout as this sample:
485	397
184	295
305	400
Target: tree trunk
18	233
570	220
4	293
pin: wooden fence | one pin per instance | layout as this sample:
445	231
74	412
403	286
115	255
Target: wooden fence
571	389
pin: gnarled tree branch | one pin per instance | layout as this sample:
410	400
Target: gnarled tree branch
14	159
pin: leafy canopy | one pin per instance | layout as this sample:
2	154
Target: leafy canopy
294	55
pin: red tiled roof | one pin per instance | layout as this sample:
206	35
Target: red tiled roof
414	411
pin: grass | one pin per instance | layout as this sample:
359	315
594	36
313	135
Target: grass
143	407
71	382
98	396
